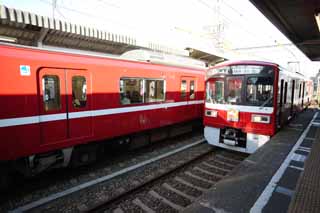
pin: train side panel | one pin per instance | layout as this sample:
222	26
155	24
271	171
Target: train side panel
26	127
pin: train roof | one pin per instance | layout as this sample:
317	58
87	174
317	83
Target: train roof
163	58
143	56
234	62
256	62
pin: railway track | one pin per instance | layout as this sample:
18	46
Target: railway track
176	189
184	173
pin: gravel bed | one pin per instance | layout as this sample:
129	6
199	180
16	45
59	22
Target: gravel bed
184	188
212	170
196	182
234	155
153	202
204	175
129	207
104	191
172	196
29	190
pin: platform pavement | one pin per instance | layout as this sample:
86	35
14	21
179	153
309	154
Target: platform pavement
307	194
256	185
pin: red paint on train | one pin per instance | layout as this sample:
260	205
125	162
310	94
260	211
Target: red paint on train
29	78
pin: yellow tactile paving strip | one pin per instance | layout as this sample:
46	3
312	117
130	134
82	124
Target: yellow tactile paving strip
307	195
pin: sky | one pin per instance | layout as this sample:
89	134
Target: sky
234	27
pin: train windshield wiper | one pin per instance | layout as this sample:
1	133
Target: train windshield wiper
267	101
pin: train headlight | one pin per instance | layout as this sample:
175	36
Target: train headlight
211	113
260	119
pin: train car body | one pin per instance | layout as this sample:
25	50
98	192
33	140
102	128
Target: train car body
248	101
52	102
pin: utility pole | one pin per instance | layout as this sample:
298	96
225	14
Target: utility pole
54	6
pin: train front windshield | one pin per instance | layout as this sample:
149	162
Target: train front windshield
250	85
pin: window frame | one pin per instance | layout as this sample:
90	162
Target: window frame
285	94
300	88
214	81
44	92
85	80
194	89
185	97
154	79
144	89
224	79
248	103
242	91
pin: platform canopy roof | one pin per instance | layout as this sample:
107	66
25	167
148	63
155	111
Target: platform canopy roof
210	58
35	30
297	20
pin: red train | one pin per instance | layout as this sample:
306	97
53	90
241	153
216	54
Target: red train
248	101
54	105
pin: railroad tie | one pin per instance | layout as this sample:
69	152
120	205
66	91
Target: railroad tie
207	172
229	159
225	163
143	206
190	184
165	200
199	178
215	167
118	210
170	188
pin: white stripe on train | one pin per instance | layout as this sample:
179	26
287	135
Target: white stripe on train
252	109
91	113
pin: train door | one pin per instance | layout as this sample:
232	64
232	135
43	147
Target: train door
293	85
188	87
280	104
303	91
53	105
188	94
79	103
65	104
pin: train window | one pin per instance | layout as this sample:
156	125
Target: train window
154	90
183	89
285	93
234	87
215	92
51	92
131	91
79	91
300	90
192	94
259	91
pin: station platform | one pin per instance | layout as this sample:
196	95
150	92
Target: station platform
282	176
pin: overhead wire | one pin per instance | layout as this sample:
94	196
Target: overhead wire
266	33
240	25
87	14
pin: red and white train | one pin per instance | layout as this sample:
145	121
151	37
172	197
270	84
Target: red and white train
248	101
56	107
